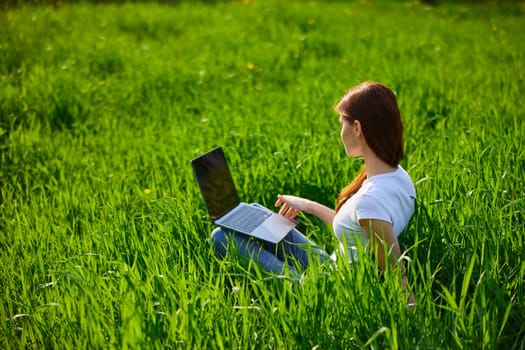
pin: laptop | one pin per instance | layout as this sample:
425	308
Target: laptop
223	204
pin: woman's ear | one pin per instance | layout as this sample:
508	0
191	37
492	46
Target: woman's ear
357	126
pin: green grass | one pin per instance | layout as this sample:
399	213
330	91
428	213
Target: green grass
103	242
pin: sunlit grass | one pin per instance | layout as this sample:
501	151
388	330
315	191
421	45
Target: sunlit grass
103	241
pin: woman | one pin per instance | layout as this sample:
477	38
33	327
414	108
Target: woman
375	207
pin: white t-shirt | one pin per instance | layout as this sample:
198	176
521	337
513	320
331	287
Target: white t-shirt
389	197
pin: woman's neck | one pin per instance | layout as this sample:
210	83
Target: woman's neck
375	165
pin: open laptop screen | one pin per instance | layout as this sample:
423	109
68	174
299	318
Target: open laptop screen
215	182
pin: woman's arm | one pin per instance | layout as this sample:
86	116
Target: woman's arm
381	235
293	205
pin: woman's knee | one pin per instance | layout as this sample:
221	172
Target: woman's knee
219	240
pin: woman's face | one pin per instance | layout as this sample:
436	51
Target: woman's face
351	137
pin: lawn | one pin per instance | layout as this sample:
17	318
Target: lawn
103	232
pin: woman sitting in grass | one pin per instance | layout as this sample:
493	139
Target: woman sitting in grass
374	208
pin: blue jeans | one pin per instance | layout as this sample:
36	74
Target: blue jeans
293	252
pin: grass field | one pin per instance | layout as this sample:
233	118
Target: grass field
103	241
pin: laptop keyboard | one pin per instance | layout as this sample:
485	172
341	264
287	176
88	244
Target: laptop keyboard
247	219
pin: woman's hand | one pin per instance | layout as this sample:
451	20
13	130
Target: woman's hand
291	205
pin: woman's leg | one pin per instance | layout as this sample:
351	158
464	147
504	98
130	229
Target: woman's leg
295	247
223	241
298	248
294	250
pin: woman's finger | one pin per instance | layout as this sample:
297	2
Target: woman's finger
292	213
286	209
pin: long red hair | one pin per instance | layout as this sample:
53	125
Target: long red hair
375	106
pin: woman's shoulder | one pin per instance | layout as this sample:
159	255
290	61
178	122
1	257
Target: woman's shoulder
397	181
